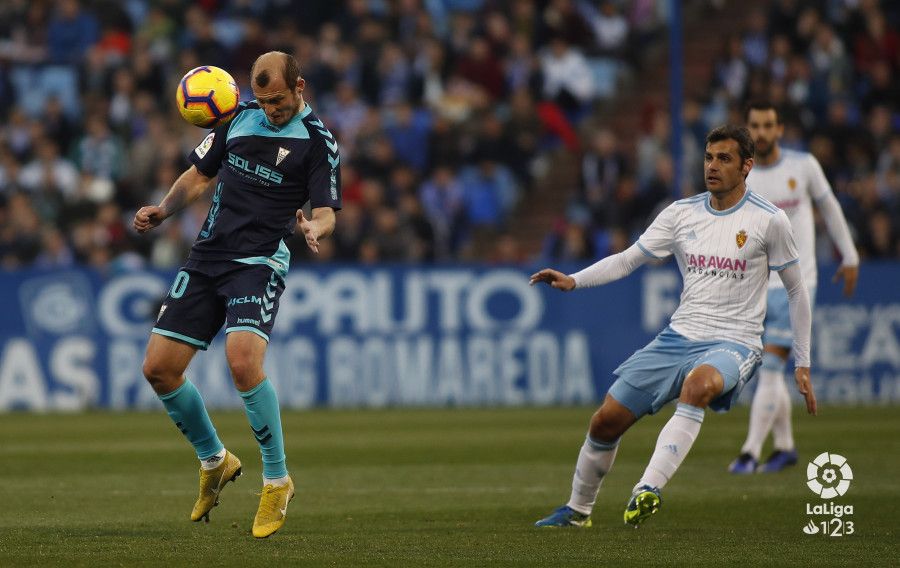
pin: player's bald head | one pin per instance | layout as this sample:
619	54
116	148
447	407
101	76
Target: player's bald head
272	66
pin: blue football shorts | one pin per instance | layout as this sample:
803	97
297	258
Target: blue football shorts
206	294
654	375
777	325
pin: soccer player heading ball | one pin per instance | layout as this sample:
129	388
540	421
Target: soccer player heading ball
272	158
725	241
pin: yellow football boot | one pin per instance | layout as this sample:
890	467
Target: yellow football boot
211	483
272	510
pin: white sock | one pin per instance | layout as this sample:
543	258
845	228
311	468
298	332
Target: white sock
277	482
594	461
212	462
782	430
765	405
674	443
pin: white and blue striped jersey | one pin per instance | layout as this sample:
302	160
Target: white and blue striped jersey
724	258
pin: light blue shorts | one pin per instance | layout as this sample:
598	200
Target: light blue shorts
777	325
655	374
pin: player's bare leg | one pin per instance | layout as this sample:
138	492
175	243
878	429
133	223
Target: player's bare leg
595	460
245	352
701	386
164	366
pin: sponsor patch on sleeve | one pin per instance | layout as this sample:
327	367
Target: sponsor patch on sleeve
204	146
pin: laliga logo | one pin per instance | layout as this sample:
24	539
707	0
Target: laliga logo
829	475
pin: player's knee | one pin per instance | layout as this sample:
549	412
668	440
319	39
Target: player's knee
607	426
244	370
700	388
159	375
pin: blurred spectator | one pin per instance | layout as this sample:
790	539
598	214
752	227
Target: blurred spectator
99	152
71	31
407	131
880	240
481	68
20	235
490	191
506	250
610	27
444	204
567	77
563	21
55	251
570	243
49	173
732	70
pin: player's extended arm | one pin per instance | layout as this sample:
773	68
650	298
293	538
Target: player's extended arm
187	188
840	234
801	323
320	226
603	271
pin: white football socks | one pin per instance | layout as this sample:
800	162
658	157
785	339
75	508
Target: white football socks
768	405
277	482
213	461
594	461
782	430
674	443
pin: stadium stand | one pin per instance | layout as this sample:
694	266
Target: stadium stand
470	129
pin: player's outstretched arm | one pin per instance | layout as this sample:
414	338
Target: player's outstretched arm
187	188
320	226
603	271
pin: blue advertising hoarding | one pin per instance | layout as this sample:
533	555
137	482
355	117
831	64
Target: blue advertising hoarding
407	336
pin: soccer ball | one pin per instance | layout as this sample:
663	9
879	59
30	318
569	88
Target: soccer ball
207	96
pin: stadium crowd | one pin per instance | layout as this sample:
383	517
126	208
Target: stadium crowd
834	70
447	111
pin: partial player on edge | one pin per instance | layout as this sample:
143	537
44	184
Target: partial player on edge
793	181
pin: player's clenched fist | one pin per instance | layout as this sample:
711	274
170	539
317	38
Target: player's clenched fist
148	217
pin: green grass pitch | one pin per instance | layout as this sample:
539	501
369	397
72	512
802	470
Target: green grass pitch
430	488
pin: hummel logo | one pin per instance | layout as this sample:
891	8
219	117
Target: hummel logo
672	448
282	154
268	126
692	236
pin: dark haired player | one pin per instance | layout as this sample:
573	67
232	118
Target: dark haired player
725	242
271	159
793	181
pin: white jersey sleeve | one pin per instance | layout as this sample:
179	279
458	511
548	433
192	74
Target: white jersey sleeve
821	193
658	240
799	311
818	186
610	268
780	245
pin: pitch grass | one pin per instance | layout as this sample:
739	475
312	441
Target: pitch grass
429	488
